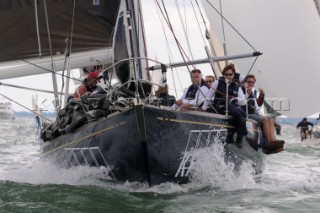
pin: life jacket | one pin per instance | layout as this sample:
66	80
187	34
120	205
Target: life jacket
236	77
251	101
166	99
219	101
193	89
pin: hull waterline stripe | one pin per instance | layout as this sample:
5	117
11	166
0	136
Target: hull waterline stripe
193	122
80	139
200	123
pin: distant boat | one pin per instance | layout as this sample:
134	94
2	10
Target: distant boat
6	111
118	126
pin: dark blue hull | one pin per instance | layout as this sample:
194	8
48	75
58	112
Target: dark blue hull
149	144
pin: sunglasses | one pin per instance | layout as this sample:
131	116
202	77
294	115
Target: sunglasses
228	74
208	81
250	82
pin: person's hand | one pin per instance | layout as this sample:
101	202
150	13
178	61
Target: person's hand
178	102
185	106
261	91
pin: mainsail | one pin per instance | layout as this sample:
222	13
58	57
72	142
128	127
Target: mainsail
32	33
288	33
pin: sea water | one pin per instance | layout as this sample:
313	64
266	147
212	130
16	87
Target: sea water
290	183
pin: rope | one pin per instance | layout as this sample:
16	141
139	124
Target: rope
166	17
68	49
184	26
195	15
169	50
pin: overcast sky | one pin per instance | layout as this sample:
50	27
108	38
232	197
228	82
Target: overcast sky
286	31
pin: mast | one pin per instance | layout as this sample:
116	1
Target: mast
129	42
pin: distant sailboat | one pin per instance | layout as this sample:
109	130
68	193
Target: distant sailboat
117	126
6	111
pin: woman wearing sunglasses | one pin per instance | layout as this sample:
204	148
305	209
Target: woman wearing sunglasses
270	145
235	96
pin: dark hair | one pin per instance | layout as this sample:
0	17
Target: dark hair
229	67
97	67
249	76
196	71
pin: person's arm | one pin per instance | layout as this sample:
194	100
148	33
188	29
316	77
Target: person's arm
298	125
260	99
79	91
241	97
180	100
183	95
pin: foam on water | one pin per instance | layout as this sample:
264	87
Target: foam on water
295	170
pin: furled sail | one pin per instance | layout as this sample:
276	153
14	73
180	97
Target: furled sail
25	41
287	32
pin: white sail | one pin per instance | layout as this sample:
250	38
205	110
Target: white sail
14	69
287	32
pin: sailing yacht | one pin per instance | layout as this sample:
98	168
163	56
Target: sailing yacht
6	111
120	125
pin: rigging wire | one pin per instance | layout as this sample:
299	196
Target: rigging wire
170	56
57	101
208	35
215	9
181	50
26	108
184	26
68	48
222	22
195	15
255	60
166	18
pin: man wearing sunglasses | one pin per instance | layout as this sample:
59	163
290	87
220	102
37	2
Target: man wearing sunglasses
216	102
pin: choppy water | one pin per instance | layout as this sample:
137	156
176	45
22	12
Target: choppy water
291	182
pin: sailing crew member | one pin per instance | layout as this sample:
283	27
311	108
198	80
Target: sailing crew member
235	98
88	85
164	97
238	77
193	97
304	128
270	145
209	79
